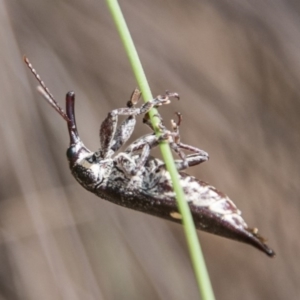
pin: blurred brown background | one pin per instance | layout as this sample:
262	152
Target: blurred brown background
236	65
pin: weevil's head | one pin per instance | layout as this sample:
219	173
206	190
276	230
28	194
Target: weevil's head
77	150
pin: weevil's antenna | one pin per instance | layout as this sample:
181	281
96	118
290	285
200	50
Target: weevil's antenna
70	103
44	91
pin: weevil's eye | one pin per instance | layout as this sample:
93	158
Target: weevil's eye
72	152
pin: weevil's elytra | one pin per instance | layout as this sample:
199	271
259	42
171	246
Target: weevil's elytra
136	180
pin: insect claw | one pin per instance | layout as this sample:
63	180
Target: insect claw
134	98
147	121
161	127
179	115
173	125
174	95
159	117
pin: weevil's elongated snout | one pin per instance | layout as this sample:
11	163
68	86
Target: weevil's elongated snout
70	109
76	146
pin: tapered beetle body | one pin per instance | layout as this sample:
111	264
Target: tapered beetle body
136	180
152	193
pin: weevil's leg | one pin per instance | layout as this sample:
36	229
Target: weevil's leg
109	125
124	131
122	134
190	160
147	142
150	139
198	156
142	145
126	163
130	166
134	111
147	121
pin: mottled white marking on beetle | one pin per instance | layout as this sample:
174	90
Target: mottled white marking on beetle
235	220
224	206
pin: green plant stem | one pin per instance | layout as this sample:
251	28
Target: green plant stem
189	227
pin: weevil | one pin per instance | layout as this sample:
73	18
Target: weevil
135	179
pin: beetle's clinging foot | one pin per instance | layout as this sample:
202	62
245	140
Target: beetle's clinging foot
134	98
